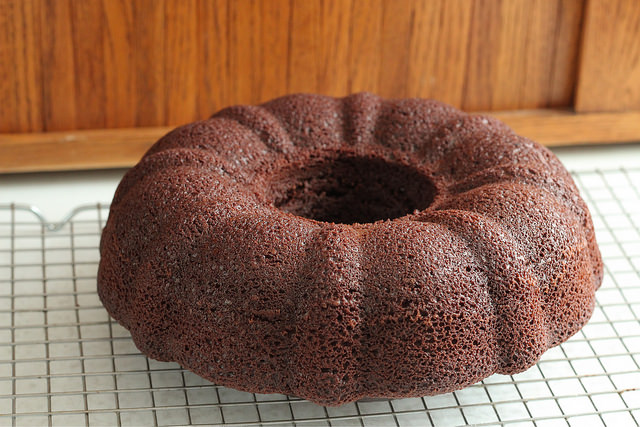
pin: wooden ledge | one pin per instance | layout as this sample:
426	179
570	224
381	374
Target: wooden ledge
114	148
75	150
563	127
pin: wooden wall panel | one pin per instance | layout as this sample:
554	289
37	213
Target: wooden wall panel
569	16
213	46
58	67
87	39
522	54
21	81
115	63
609	76
181	60
437	62
366	33
119	86
148	30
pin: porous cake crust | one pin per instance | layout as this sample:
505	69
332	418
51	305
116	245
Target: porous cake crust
341	248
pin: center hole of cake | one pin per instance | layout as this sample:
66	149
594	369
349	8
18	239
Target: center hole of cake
351	189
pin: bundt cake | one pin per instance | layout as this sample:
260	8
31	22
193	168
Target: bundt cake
342	248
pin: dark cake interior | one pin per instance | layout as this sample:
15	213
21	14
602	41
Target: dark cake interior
346	189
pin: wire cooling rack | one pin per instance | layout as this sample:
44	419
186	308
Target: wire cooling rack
63	361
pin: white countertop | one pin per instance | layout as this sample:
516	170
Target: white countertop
55	193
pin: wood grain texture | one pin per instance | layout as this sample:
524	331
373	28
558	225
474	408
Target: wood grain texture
180	60
110	148
21	107
78	64
521	54
76	150
87	33
119	87
555	127
609	75
59	100
148	51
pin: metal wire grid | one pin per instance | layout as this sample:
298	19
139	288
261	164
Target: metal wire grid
63	361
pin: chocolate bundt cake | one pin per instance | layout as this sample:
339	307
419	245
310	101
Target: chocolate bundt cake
336	249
